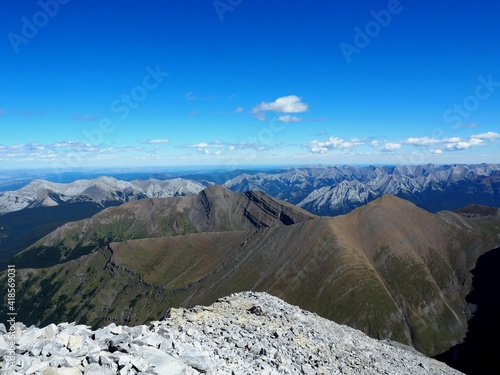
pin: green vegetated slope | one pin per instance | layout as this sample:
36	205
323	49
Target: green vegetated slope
214	209
389	268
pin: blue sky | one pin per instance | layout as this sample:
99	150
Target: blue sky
239	82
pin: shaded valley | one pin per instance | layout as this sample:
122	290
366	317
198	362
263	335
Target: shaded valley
478	353
20	229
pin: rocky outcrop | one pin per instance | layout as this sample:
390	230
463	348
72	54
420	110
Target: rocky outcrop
103	190
246	333
336	190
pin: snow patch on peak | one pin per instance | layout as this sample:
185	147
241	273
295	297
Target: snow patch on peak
100	190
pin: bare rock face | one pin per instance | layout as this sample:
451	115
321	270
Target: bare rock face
245	333
100	190
337	190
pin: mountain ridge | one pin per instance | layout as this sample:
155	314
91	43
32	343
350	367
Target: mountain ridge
323	190
338	189
99	190
389	268
213	209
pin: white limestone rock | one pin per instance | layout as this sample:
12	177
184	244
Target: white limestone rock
245	333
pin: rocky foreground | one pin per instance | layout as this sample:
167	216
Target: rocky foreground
245	333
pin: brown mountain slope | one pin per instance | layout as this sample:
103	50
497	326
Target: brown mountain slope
214	209
389	268
478	210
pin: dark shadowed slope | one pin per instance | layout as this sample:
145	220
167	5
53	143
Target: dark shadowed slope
478	354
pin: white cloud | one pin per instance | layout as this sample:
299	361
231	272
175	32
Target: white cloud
63	144
156	141
223	147
452	143
464	145
213	144
319	149
34	147
60	151
487	135
204	147
239	110
199	145
285	104
452	140
386	146
332	143
288	118
423	141
438	145
390	146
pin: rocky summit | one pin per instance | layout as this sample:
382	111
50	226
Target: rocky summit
245	333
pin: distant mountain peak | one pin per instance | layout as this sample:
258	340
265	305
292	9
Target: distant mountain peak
386	268
339	189
389	200
102	190
214	209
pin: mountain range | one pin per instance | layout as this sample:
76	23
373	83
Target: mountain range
102	190
389	268
321	190
29	213
337	190
40	207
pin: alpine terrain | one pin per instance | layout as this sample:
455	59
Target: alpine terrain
102	190
245	333
339	189
389	268
40	207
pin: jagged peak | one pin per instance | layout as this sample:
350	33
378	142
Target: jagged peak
100	189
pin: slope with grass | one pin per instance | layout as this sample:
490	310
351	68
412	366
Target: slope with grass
213	209
388	268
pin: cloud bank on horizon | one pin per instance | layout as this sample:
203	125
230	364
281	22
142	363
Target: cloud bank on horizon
389	82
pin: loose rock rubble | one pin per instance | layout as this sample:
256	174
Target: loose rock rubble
245	333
